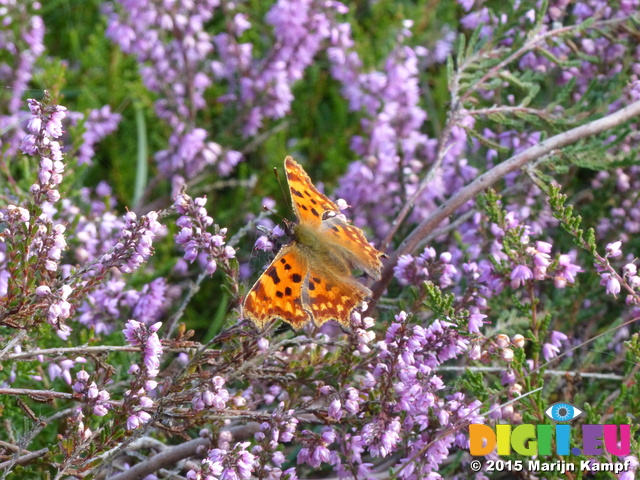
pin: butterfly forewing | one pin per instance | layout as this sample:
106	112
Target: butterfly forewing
308	203
278	291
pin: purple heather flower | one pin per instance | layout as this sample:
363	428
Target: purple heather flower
151	303
99	124
613	249
194	238
549	351
476	320
566	271
612	283
137	333
630	270
557	338
263	243
234	464
137	420
335	409
519	274
381	437
173	48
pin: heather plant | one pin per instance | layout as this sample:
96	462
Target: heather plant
490	149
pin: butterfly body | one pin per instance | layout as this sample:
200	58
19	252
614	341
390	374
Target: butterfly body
320	250
311	278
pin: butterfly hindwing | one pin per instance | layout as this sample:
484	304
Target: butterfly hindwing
334	298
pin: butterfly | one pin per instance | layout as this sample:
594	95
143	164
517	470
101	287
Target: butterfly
311	278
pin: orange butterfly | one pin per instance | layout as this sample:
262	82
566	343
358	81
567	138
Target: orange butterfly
311	278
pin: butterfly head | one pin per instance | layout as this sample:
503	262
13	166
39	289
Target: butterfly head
289	228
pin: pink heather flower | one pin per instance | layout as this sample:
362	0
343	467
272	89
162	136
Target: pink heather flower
381	436
131	332
613	286
335	409
557	338
262	344
136	333
566	271
476	320
611	282
630	269
507	354
137	419
475	352
613	249
100	410
543	247
352	403
43	291
549	351
263	243
19	214
519	274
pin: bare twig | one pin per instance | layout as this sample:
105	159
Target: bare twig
24	458
553	373
164	459
47	395
12	447
58	352
14	341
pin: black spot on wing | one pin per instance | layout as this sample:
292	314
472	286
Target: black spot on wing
315	212
296	193
315	279
280	294
274	275
287	291
296	278
312	286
